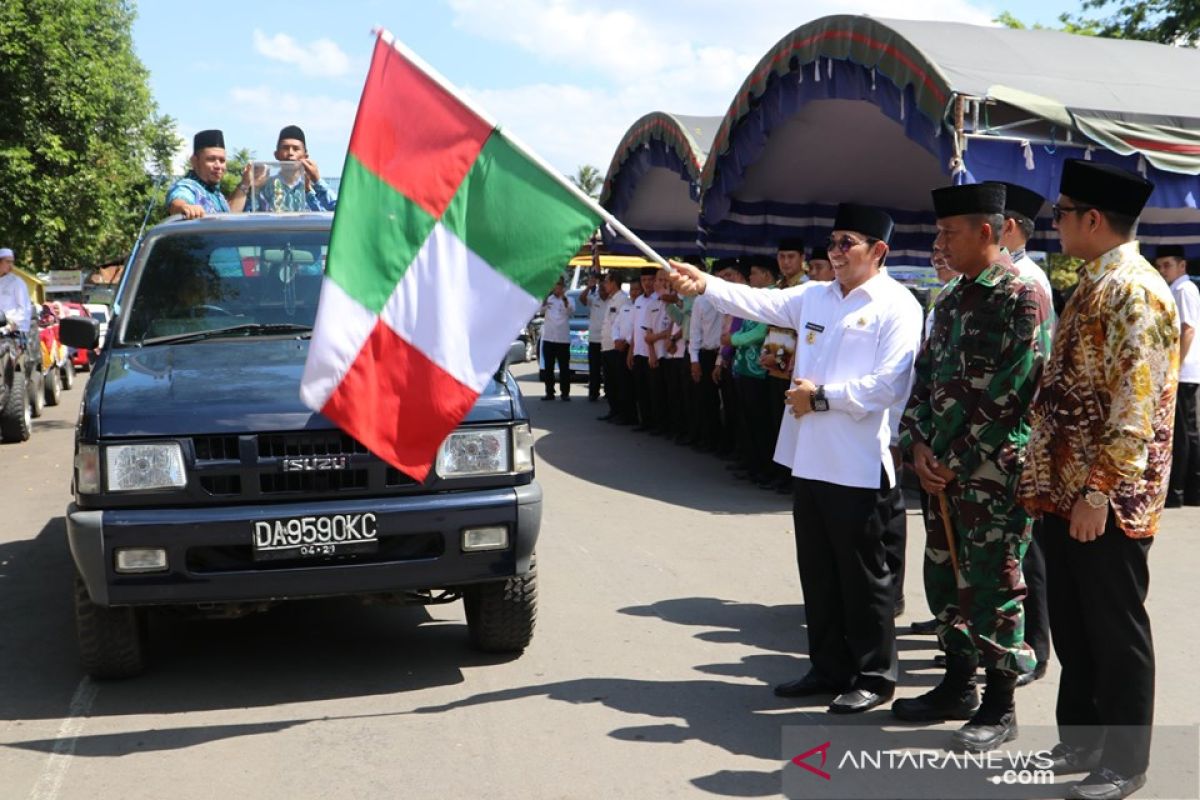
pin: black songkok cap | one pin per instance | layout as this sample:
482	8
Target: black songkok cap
1104	187
766	263
1019	200
724	263
1169	251
292	132
819	254
970	198
651	271
791	243
209	138
866	220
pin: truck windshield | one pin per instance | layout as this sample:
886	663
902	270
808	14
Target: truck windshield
265	281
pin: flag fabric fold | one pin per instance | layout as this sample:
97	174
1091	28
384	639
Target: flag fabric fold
445	239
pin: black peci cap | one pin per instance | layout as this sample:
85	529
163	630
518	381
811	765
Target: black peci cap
1169	251
868	221
791	243
209	138
1019	200
970	198
292	132
1104	187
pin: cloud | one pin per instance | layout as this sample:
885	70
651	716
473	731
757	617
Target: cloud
319	58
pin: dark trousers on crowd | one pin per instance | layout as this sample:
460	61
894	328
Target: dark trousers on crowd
895	537
706	421
776	387
676	409
1037	611
756	420
658	398
595	371
618	386
848	588
1097	593
556	353
733	438
642	391
1185	455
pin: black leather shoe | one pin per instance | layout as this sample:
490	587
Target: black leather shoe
547	397
807	686
1026	678
1104	784
1066	759
566	398
857	701
927	628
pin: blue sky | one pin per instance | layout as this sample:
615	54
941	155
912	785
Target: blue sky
566	76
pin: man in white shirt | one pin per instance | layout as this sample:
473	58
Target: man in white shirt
1021	208
704	343
556	342
594	297
858	337
642	357
616	377
14	294
623	342
1184	488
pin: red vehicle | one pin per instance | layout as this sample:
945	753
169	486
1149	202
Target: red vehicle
56	361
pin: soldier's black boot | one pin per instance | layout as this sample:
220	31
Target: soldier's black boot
954	698
996	720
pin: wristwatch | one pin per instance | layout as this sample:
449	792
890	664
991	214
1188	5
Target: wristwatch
819	403
1095	498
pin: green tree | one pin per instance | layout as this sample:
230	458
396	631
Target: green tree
1067	25
589	179
1174	22
80	135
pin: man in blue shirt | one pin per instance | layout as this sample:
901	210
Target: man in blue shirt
298	186
199	192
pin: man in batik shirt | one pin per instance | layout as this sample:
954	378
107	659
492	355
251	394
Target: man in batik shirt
1096	469
298	186
199	191
966	429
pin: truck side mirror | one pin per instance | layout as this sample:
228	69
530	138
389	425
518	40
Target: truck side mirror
79	332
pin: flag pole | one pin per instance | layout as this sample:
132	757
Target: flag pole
614	223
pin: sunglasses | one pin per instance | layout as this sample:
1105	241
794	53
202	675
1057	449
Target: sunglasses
843	244
1057	211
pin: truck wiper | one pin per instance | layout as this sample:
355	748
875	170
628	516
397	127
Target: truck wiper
247	329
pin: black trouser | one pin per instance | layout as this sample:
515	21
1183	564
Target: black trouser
658	398
895	537
559	352
733	439
641	391
674	419
1037	612
776	387
595	371
618	386
756	420
1185	456
1097	593
848	588
706	421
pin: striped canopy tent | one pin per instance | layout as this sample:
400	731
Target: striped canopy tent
653	181
850	108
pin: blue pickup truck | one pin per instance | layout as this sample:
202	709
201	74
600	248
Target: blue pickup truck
202	483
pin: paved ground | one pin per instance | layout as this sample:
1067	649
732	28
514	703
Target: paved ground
669	605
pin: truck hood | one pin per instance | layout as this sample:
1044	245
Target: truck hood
226	386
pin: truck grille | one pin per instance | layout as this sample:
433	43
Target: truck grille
314	443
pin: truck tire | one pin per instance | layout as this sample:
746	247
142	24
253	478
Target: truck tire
68	375
16	418
112	641
53	387
501	614
35	382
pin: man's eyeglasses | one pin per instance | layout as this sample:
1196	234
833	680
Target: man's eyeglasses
843	244
1057	211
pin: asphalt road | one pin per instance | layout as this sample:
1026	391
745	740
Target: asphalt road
669	605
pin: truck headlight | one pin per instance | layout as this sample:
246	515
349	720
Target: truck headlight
474	452
87	469
522	448
139	467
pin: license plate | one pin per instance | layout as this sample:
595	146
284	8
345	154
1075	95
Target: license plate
315	537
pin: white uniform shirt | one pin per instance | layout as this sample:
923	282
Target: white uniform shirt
623	327
1028	268
861	348
1187	300
557	327
664	324
613	307
705	332
14	301
595	307
647	310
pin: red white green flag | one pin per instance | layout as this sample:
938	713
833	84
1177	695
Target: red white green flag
445	239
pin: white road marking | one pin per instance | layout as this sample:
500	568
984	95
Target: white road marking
49	783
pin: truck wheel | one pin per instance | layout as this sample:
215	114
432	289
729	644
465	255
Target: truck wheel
112	641
36	383
16	418
53	387
68	375
501	614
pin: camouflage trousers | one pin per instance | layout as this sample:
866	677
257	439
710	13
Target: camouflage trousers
983	611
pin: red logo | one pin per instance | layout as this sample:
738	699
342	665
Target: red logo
823	749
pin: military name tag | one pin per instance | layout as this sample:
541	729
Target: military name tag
813	329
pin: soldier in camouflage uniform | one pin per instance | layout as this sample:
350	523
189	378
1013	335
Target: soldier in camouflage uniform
965	428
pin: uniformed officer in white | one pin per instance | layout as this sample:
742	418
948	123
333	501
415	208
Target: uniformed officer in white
858	339
1021	207
641	353
1184	488
704	344
14	294
556	341
616	376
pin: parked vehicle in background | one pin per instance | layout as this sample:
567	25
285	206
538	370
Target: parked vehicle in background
579	338
57	368
18	384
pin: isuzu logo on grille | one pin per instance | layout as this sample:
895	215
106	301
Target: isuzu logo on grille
315	463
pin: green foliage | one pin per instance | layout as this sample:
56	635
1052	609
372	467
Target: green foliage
1063	270
1068	25
79	132
589	179
1174	22
234	165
